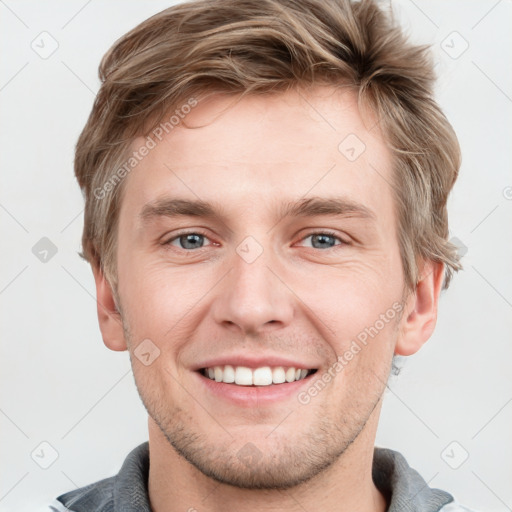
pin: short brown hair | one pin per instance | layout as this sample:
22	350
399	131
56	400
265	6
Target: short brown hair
262	47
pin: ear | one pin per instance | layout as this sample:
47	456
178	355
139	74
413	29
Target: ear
420	314
109	318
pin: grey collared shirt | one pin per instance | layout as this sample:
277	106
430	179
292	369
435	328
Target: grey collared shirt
404	488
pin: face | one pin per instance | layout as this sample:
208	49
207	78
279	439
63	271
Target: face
261	246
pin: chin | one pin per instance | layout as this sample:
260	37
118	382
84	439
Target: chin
253	462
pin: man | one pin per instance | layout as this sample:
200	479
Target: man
266	187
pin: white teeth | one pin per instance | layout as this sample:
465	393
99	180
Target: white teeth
243	376
290	375
263	376
278	375
229	374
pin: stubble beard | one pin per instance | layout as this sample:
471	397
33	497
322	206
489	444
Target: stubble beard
281	460
274	462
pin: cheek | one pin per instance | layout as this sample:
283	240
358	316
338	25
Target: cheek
162	303
149	289
356	309
350	296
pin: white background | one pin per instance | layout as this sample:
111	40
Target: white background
62	386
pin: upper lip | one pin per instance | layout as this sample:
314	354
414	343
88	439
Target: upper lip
254	362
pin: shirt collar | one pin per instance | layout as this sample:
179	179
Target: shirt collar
402	486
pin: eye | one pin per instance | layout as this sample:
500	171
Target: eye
188	241
192	240
324	240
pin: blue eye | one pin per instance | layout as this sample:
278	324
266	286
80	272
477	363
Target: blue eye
192	241
324	240
188	241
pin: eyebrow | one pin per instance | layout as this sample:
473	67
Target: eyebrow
334	206
310	207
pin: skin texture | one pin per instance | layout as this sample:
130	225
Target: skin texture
297	299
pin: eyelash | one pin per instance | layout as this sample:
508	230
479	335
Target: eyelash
329	233
313	233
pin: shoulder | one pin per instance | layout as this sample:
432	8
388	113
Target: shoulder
124	492
98	496
406	488
455	507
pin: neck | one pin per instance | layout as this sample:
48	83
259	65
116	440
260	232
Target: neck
347	485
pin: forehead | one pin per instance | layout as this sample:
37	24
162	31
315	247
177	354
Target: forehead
254	152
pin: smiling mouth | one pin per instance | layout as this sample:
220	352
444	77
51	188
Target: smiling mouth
263	376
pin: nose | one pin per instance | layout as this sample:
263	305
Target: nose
252	298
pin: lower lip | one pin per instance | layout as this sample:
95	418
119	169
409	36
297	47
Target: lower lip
253	396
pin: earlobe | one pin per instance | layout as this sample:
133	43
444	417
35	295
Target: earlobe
420	312
109	318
